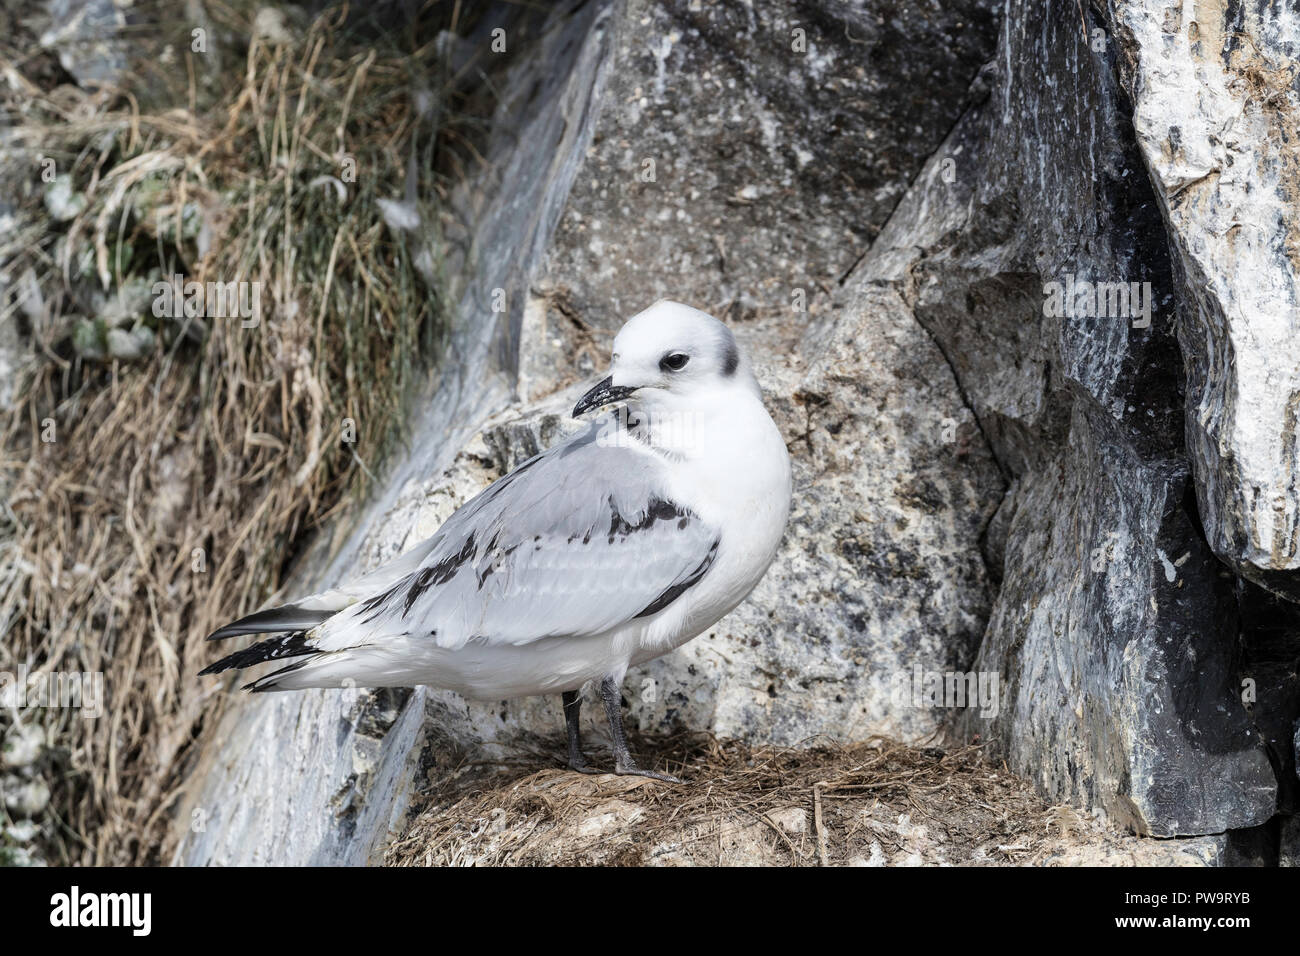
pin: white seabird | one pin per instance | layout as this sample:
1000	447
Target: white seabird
612	548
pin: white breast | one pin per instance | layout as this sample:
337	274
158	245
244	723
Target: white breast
736	476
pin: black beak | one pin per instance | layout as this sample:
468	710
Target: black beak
604	393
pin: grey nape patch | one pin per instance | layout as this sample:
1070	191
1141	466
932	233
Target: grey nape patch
730	359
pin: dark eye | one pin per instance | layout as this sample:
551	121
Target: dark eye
674	361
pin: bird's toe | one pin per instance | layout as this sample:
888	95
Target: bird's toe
632	770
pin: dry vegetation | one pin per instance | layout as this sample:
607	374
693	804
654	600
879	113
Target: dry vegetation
181	483
872	803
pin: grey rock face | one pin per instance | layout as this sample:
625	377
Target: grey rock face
1112	627
86	36
744	151
1290	842
1215	109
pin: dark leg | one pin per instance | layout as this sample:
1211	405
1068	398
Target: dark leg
612	694
572	705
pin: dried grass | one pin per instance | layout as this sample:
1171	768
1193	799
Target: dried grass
807	806
180	486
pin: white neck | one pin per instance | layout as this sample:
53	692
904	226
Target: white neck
729	450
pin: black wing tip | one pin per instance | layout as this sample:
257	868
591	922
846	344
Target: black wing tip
287	617
274	649
221	633
269	682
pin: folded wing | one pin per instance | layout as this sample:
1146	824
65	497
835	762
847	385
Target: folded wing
576	541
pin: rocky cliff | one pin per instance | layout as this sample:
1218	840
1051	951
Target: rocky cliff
1020	283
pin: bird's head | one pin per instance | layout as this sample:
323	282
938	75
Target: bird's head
672	359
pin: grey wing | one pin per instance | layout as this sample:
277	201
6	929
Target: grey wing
576	541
